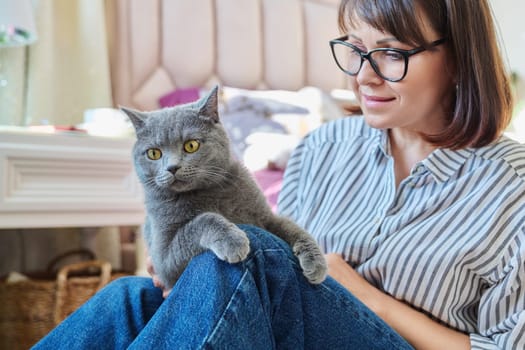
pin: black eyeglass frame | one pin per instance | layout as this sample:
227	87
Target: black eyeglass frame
367	55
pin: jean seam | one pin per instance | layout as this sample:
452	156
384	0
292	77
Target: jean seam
292	259
221	318
214	331
212	334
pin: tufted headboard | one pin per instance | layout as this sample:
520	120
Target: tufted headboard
161	45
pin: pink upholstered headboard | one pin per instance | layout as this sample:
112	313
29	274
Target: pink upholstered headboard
161	45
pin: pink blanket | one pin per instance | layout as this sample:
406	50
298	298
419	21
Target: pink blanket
270	182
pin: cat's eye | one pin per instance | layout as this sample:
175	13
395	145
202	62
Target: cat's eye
191	146
154	153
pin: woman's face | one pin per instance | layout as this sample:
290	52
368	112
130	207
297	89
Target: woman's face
420	101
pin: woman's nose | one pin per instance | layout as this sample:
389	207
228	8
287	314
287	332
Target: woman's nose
367	74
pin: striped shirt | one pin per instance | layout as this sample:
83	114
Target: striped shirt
449	240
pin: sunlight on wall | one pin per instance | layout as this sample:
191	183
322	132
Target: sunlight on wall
12	65
69	64
508	14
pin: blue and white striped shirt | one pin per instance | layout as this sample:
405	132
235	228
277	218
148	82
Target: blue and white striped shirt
449	240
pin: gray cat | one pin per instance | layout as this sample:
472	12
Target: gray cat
196	193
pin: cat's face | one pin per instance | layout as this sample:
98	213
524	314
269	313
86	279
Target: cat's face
182	148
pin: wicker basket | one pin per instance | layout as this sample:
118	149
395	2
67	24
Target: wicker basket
31	308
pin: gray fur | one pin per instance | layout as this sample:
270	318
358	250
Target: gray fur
196	208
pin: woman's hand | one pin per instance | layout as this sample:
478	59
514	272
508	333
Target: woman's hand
343	273
156	281
417	328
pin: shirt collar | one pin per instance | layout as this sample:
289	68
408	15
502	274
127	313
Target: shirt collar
382	143
441	163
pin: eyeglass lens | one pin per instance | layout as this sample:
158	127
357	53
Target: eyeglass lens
389	64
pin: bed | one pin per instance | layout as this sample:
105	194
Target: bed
271	59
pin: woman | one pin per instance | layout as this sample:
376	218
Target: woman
419	204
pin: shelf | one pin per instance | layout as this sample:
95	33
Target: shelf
67	179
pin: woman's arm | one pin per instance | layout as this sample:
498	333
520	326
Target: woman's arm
417	328
151	270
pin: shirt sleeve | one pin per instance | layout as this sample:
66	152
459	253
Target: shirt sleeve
501	319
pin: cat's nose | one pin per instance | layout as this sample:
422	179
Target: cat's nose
173	169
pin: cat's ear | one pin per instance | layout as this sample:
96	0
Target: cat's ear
137	118
209	106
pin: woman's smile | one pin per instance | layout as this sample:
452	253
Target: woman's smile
375	101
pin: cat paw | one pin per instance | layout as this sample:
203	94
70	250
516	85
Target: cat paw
311	259
233	246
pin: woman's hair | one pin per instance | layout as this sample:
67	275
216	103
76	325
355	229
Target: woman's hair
483	103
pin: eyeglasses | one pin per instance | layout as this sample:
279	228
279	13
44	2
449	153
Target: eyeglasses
389	63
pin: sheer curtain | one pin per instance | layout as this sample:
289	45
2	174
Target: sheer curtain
69	64
68	72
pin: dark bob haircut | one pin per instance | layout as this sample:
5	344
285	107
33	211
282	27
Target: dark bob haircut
483	104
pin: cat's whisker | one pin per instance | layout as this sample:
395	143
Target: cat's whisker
219	172
219	178
223	179
150	183
216	180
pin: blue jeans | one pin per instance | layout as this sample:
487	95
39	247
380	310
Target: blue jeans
263	302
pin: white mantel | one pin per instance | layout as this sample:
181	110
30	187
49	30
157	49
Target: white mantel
67	179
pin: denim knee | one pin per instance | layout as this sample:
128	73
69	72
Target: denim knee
261	239
129	286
